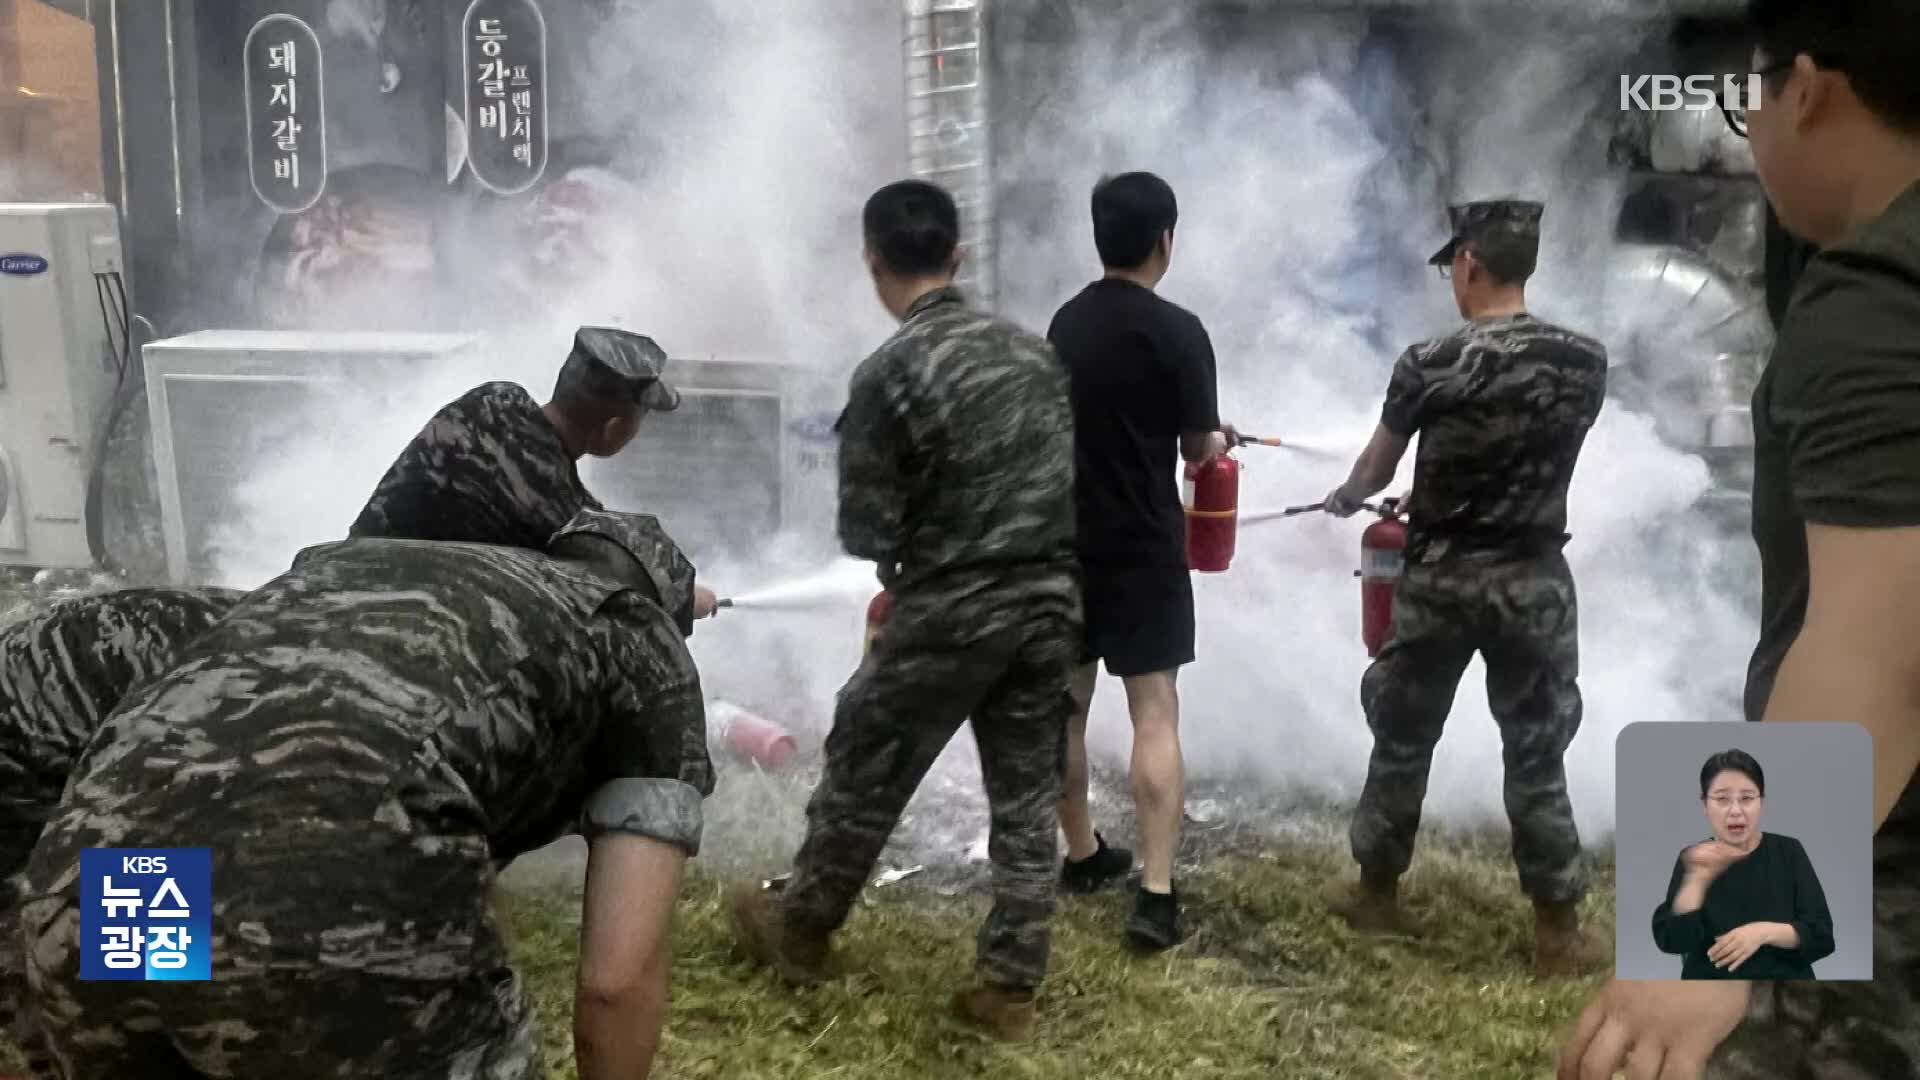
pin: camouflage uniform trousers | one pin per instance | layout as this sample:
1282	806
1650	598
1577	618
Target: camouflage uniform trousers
309	980
13	972
1521	615
892	719
1866	1030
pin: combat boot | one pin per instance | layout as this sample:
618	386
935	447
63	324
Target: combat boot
761	935
1003	1013
1561	946
1370	905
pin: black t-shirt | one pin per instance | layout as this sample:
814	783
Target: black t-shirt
1774	883
1836	418
1142	375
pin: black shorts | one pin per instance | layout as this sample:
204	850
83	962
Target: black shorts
1139	620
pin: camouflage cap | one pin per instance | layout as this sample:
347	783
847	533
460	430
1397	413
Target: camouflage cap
621	364
642	536
1510	224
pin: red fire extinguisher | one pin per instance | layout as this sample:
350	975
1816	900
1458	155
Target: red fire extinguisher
1213	510
877	611
1382	551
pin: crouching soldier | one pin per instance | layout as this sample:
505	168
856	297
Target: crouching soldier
61	672
361	744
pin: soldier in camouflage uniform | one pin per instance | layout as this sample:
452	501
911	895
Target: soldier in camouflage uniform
361	743
495	467
61	672
956	478
1502	407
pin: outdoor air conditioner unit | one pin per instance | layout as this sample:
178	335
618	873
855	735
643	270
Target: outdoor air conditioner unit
63	352
265	442
750	453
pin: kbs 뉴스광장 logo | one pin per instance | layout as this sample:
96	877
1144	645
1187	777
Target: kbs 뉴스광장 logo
146	914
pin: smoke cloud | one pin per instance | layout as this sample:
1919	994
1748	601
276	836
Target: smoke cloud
1313	156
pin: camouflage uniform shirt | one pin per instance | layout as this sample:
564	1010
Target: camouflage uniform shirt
364	738
62	671
487	469
1502	407
956	452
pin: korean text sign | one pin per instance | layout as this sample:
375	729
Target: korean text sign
146	914
504	54
286	113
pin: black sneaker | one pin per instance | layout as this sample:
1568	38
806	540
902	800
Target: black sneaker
1155	923
1098	870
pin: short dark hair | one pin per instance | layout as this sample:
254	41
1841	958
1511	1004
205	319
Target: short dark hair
913	226
1875	43
1511	260
1130	214
1732	761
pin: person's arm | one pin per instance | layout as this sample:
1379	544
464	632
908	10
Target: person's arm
1400	418
620	1001
1196	385
1852	416
1679	926
874	484
1857	657
1810	934
642	822
1376	466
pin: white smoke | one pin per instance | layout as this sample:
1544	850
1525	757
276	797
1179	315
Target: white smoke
1299	209
1313	163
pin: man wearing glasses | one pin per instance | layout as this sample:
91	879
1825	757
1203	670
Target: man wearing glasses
1502	406
1836	516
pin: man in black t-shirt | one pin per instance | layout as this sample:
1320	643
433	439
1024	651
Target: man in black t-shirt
1836	516
1143	400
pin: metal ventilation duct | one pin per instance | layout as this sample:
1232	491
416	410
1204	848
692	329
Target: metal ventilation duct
947	130
1688	342
1698	141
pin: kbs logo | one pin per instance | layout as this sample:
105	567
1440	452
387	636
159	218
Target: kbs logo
1671	93
145	914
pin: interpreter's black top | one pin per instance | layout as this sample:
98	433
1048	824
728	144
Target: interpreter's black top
1142	372
1776	883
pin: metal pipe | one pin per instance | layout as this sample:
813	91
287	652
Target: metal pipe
949	136
119	111
173	123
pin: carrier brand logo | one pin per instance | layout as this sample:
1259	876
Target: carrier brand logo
1671	93
21	264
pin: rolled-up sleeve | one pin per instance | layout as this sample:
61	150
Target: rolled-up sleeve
665	810
650	765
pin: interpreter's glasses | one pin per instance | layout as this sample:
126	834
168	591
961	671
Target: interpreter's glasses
1728	802
1734	103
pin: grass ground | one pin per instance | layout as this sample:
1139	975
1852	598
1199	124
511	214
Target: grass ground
1267	985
